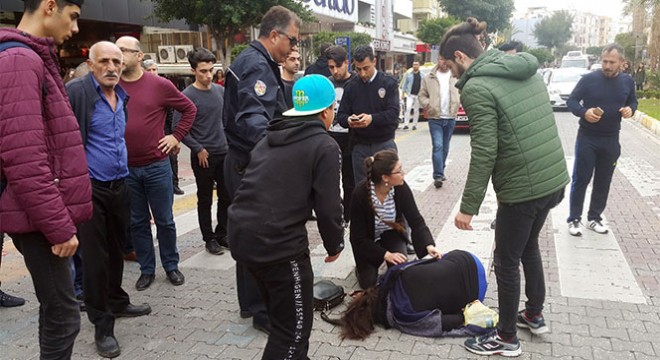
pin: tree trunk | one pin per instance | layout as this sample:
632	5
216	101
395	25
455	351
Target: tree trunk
654	47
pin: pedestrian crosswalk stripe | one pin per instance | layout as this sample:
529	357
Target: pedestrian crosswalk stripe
591	266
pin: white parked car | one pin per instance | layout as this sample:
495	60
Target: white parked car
560	83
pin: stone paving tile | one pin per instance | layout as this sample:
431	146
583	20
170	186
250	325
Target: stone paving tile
363	354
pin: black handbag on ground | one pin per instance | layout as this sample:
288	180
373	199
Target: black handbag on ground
327	295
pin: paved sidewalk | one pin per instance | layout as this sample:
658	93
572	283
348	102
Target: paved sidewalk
199	320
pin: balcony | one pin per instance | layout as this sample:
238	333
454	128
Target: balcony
403	9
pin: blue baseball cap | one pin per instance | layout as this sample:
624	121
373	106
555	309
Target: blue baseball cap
311	95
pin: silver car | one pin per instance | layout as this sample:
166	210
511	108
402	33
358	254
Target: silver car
560	83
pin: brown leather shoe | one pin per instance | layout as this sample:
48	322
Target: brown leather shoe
131	256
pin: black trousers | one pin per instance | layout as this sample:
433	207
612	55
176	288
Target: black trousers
249	297
205	177
102	240
517	240
367	273
288	290
59	313
347	178
174	162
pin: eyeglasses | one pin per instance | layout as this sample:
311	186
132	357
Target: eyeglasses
123	49
293	41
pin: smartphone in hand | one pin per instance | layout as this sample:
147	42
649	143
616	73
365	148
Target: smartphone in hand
354	118
598	111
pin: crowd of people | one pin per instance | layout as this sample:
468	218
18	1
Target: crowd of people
88	173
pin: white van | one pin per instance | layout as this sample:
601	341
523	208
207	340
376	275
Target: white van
575	59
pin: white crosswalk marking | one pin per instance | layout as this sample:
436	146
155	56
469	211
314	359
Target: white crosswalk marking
478	241
641	175
591	266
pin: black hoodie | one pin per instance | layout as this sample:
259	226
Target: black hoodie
293	170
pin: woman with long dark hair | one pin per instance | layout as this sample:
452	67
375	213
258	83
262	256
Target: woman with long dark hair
423	298
379	206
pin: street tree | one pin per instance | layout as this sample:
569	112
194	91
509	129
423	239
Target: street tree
495	12
431	31
594	50
224	19
357	39
544	56
554	30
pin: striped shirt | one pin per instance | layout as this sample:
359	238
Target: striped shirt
384	211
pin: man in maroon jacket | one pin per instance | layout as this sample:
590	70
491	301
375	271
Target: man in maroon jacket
43	165
150	173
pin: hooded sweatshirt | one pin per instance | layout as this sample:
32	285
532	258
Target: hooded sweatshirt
293	170
513	134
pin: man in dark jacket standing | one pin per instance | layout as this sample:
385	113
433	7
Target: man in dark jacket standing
253	97
321	65
515	142
370	108
42	164
267	231
100	108
599	99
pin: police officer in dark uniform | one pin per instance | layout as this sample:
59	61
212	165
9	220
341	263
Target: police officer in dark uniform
254	95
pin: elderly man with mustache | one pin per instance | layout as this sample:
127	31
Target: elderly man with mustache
99	104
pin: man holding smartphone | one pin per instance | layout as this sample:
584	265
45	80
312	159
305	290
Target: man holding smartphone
370	107
600	99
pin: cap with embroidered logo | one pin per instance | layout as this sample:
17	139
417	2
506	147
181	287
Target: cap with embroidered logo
311	95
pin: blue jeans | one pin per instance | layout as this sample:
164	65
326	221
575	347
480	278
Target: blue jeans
441	131
362	151
151	185
597	156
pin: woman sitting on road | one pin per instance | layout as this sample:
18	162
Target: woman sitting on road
424	298
378	207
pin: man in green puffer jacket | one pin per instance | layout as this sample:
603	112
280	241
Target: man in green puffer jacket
515	142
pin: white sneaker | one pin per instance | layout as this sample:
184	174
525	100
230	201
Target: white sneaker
598	227
574	228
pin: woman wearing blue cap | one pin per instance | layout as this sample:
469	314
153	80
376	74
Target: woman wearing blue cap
295	168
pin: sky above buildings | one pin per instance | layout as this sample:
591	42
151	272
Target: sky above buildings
611	8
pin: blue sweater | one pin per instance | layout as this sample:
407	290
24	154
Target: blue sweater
610	94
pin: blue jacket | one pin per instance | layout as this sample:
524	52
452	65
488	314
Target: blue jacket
408	83
254	95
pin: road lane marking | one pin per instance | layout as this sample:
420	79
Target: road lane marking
591	266
479	241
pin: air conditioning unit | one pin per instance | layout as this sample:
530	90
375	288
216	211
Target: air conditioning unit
150	56
182	53
166	54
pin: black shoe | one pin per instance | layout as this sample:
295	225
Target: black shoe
414	127
107	347
410	249
245	314
437	183
134	311
176	277
213	247
264	328
7	300
222	241
405	127
144	281
178	191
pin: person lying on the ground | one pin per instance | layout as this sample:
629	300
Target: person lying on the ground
424	298
378	232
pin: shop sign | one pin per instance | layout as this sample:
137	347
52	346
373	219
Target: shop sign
382	45
338	9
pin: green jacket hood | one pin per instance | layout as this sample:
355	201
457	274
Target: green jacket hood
495	63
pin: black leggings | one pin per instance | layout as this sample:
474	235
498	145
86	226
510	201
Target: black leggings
366	272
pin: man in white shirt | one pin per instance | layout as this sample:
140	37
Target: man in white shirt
439	97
